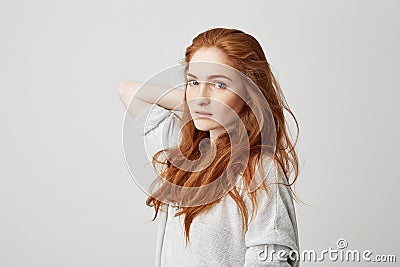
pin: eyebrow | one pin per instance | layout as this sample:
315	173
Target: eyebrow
211	76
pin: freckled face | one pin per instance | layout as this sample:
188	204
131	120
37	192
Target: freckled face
212	89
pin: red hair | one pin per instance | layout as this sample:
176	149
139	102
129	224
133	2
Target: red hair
244	53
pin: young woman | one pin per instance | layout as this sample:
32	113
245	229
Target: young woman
225	129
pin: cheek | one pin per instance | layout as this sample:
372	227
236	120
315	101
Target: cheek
232	102
188	97
190	94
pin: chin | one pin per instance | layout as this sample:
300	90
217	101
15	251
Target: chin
203	126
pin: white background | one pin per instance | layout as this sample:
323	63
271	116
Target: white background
66	196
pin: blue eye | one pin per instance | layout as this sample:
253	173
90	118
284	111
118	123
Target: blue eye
219	85
193	82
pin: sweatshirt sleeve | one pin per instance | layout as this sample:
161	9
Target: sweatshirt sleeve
273	227
160	127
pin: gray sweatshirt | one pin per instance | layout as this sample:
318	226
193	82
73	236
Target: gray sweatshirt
216	236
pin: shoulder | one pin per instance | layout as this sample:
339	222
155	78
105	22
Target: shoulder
267	171
274	219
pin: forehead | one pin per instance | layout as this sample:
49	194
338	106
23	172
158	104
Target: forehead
210	61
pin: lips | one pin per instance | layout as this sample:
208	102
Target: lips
203	113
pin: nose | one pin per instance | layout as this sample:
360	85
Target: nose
203	96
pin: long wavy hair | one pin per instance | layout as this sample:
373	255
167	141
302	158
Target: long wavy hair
244	53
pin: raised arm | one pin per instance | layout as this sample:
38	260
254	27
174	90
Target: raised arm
136	100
